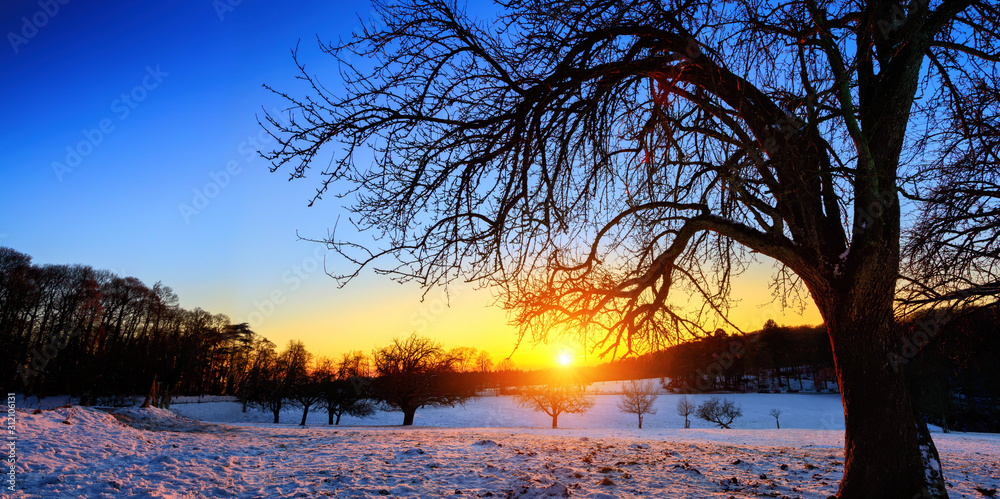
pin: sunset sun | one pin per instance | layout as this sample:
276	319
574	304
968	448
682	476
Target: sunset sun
565	358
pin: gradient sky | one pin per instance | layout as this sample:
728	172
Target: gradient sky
176	87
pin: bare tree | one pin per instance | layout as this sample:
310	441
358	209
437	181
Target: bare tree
343	387
305	393
686	408
555	399
294	380
416	372
954	249
721	412
484	363
587	158
776	413
638	398
266	387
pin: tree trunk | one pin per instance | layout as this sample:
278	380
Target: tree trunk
305	412
150	395
408	416
888	450
329	418
640	421
339	414
555	421
276	413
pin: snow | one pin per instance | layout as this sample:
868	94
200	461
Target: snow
798	410
156	453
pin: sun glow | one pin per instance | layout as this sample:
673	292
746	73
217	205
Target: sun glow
565	358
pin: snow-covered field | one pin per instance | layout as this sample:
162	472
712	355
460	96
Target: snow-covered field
490	448
806	411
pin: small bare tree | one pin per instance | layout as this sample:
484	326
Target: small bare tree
776	413
554	400
721	412
638	398
685	408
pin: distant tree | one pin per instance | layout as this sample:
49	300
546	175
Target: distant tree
484	363
305	392
275	377
465	358
505	365
343	387
638	398
249	389
721	412
685	408
776	413
300	388
266	388
416	372
555	399
504	374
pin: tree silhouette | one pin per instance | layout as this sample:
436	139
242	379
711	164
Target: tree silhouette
686	408
955	248
416	372
721	412
343	386
776	414
586	158
555	399
638	398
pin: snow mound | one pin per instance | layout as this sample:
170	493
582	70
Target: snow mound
156	419
150	414
487	443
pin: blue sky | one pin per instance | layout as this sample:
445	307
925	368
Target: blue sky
154	103
120	116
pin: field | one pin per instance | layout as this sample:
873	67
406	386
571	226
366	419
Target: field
488	448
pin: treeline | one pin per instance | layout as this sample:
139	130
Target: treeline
952	366
73	329
774	358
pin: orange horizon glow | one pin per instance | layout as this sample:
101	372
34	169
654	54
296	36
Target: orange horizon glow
370	314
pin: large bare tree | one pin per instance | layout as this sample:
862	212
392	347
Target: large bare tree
416	372
590	159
